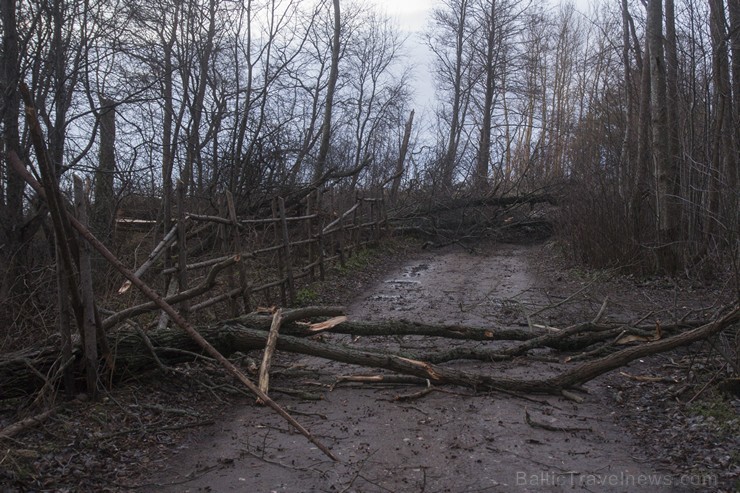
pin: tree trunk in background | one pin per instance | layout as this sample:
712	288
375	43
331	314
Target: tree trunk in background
58	54
104	203
193	146
724	155
64	321
641	187
665	169
483	156
402	157
333	76
449	160
734	9
168	120
11	191
627	160
734	159
674	150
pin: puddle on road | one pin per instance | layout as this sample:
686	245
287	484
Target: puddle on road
389	297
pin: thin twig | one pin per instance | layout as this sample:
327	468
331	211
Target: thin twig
549	427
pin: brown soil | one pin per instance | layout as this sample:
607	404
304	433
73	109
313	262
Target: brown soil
153	435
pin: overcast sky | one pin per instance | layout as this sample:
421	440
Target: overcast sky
411	16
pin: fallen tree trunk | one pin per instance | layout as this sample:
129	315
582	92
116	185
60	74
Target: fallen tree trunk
388	327
592	369
134	354
469	202
574	338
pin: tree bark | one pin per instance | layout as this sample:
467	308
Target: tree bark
734	180
665	168
331	87
402	157
104	202
641	169
734	9
483	156
675	154
723	202
460	91
11	191
88	296
626	158
671	61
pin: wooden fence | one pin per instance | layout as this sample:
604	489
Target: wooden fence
253	260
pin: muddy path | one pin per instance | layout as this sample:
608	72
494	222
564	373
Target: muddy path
449	440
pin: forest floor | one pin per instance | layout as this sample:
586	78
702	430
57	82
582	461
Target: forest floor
188	432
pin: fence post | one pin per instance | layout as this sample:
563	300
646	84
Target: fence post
280	255
382	218
341	234
238	244
182	256
320	220
309	237
374	221
88	298
355	233
286	247
225	248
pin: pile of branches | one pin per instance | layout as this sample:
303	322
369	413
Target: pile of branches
518	218
597	347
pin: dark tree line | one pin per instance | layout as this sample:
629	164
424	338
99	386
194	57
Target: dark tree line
247	96
633	109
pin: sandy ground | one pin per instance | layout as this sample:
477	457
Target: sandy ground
450	440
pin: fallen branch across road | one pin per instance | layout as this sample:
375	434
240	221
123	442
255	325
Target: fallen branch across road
248	333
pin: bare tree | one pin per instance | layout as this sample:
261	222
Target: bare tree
330	89
734	10
671	59
734	180
370	55
396	179
665	168
532	87
200	81
104	203
450	43
490	61
724	155
12	187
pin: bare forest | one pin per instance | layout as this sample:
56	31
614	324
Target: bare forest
186	185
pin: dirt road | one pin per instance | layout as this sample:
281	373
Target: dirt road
450	440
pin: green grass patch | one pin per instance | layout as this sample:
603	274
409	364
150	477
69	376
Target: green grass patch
306	296
717	409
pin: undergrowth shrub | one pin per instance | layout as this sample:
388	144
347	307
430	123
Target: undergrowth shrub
595	227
